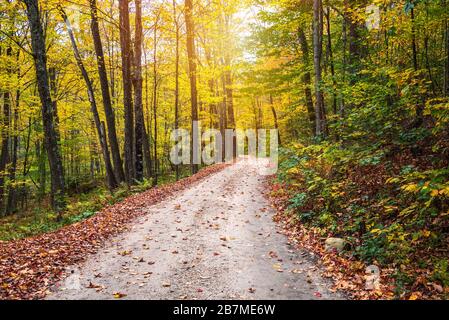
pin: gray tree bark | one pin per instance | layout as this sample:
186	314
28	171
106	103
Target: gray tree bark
191	54
137	81
320	116
107	104
125	43
50	135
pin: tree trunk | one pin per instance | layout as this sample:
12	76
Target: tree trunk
191	54
12	199
11	202
229	91
414	49
331	58
230	104
275	117
23	188
125	43
419	110
222	114
224	118
307	79
146	135
155	157
107	104
320	116
175	18
446	50
110	177
4	155
138	108
50	134
42	169
52	74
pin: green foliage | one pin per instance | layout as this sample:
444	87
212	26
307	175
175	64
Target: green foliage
388	221
80	217
379	178
441	271
298	200
80	207
373	248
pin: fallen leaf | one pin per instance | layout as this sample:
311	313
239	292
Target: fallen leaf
414	296
119	295
93	286
438	288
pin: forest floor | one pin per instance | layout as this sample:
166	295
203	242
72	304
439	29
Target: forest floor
214	240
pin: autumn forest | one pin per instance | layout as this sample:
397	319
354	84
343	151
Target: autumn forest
92	90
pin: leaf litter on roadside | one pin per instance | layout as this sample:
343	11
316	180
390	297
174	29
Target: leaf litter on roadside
28	267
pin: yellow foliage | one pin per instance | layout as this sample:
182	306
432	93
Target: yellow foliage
411	187
434	192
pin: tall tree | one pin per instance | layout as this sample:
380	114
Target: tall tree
125	44
320	115
146	137
176	23
5	129
137	81
228	86
110	177
306	78
12	190
446	48
108	111
420	105
155	100
275	118
50	134
191	54
330	55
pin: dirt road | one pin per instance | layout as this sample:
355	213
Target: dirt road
215	240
